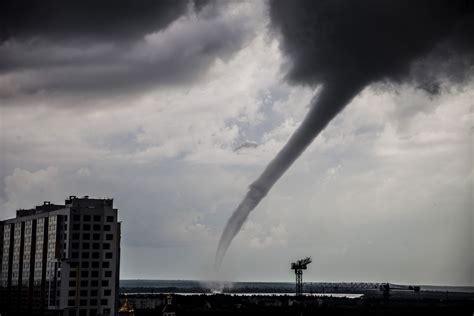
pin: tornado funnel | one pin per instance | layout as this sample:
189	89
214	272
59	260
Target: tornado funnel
332	99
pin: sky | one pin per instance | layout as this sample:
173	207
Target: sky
174	108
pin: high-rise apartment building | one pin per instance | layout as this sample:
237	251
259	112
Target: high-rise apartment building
61	259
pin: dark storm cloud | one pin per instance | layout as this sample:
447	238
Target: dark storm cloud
102	47
179	56
370	40
345	46
105	19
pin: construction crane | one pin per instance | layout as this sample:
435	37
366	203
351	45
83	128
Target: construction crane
299	266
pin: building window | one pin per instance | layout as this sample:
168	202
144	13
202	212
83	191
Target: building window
108	274
85	255
95	274
107	228
96	236
83	312
105	264
87	218
94	302
97	218
107	292
84	274
72	293
71	303
106	311
76	218
83	292
85	245
110	219
106	246
72	274
105	282
108	255
75	255
109	237
95	255
94	283
75	245
76	226
84	283
75	236
72	283
94	293
96	246
86	236
95	264
104	302
96	227
86	227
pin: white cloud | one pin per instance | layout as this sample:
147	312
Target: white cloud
25	189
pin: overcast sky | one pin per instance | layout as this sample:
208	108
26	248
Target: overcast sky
175	115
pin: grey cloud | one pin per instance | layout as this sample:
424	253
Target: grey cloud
67	20
246	144
120	142
179	54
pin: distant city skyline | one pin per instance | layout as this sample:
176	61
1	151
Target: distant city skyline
175	116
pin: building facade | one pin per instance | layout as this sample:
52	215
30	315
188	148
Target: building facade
61	259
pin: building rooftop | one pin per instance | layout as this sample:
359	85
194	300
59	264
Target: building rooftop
72	201
46	207
85	201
